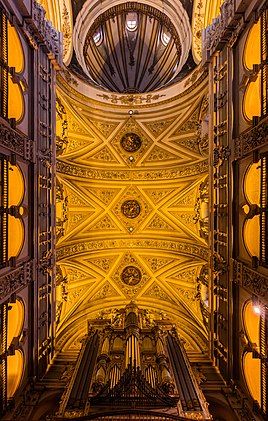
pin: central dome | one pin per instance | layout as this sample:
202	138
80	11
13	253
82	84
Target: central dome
132	47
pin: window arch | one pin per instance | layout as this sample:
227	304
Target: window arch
253	362
15	366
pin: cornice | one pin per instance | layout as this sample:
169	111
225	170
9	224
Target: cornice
67	82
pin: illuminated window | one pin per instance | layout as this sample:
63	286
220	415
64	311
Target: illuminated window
97	38
3	66
4	204
165	38
131	25
264	64
254	356
255	58
132	22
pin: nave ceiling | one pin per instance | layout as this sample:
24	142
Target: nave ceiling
128	222
132	202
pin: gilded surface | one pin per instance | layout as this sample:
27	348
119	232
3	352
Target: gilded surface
131	142
131	275
131	208
130	225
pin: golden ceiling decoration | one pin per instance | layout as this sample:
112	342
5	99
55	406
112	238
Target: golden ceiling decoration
129	227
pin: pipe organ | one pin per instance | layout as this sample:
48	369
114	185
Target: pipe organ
128	363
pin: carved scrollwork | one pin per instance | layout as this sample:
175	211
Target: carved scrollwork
17	142
221	153
63	218
252	139
255	282
39	29
16	280
201	210
62	128
222	27
130	99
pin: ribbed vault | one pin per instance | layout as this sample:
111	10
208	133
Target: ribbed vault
130	191
132	199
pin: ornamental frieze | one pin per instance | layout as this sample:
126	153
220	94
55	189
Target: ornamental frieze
144	101
16	280
251	140
16	142
91	246
166	174
255	282
130	99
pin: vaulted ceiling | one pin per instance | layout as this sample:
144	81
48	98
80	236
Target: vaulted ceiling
132	196
128	209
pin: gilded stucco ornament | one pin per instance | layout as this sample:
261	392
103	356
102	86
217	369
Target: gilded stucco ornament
131	139
100	173
131	142
131	275
61	128
131	208
66	29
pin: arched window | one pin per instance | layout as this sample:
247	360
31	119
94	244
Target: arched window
97	37
165	37
253	360
132	22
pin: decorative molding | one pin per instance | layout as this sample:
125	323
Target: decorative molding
126	100
132	208
131	99
220	154
130	275
167	174
222	30
251	140
17	142
66	30
131	128
156	292
252	280
90	246
40	30
16	280
255	282
62	128
198	23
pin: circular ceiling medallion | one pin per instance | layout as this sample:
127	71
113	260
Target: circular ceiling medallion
131	275
131	208
131	142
